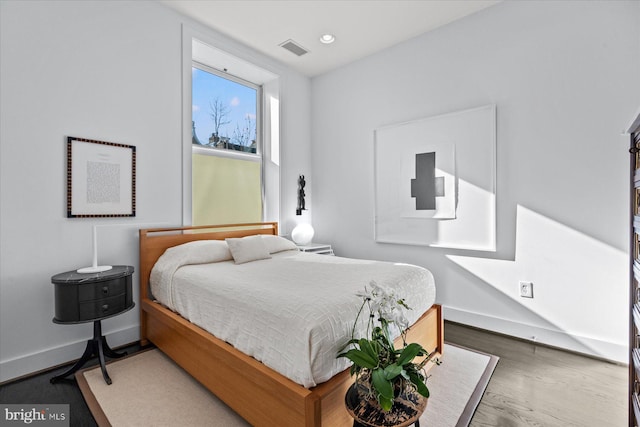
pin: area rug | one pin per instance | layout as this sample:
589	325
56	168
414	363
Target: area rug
151	390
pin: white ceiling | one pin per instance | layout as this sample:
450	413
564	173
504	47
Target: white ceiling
361	27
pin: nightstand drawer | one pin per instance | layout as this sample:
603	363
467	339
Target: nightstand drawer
102	307
97	290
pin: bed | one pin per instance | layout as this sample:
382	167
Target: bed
259	392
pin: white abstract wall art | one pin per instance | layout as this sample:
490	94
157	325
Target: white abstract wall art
435	181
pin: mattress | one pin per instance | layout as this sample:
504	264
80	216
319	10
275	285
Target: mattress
294	312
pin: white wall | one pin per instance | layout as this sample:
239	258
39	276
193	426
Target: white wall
565	77
105	70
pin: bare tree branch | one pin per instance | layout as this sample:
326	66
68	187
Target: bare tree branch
219	113
242	136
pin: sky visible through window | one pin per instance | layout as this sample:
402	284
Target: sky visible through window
236	105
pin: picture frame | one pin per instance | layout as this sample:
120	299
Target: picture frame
101	179
459	181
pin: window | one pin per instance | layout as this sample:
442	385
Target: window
226	148
225	111
228	182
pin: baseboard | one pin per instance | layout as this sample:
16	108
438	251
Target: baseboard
600	349
49	358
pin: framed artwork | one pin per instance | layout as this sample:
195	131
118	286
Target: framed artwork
101	179
435	181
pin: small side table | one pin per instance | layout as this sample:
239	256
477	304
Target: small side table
92	297
317	248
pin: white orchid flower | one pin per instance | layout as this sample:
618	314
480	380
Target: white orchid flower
384	302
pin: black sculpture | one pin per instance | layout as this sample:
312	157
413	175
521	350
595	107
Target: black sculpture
301	184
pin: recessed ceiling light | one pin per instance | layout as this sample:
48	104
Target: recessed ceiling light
327	38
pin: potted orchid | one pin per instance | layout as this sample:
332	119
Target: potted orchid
382	370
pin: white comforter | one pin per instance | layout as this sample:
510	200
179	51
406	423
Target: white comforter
293	312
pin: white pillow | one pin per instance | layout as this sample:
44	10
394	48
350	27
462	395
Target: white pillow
201	252
246	249
196	252
277	244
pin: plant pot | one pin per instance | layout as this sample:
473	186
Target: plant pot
363	407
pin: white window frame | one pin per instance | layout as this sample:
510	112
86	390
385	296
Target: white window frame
251	70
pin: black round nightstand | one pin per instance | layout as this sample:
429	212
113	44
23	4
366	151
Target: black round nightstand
91	297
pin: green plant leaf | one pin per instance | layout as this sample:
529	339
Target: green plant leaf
421	387
375	349
408	353
392	371
385	330
351	341
366	346
361	358
385	403
382	338
382	385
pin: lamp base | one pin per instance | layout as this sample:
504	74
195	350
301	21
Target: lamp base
95	269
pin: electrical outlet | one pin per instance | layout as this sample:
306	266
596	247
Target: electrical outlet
526	289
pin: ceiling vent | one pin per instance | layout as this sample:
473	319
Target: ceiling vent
293	47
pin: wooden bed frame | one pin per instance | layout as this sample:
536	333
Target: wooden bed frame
260	395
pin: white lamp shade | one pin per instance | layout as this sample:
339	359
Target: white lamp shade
302	234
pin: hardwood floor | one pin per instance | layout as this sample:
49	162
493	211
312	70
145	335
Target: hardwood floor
532	385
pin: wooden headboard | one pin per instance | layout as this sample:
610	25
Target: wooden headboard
154	241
